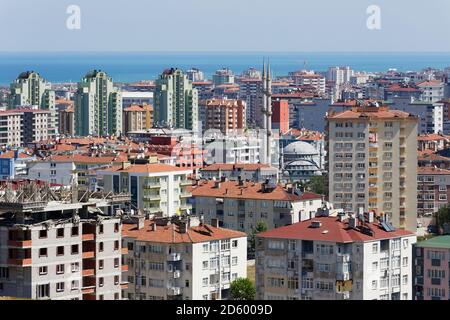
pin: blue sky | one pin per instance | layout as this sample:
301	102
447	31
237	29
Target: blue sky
225	25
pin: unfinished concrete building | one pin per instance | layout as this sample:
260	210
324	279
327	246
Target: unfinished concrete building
60	243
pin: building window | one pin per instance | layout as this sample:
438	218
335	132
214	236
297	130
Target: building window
100	229
60	287
101	264
42	234
59	269
116	227
75	266
74	231
43	270
43	252
100	246
60	251
116	262
205	282
116	280
374	284
74	249
116	245
101	282
60	232
43	290
375	248
234	243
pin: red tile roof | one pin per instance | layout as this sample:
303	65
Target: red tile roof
249	190
171	233
371	113
432	171
230	166
331	230
150	168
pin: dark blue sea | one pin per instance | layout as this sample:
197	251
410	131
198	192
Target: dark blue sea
133	66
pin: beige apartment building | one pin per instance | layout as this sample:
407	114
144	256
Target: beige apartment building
240	205
372	163
137	118
181	259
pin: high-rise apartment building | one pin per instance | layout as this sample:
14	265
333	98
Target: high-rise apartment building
30	89
182	259
372	162
98	106
21	126
223	76
339	75
137	118
222	114
175	101
335	258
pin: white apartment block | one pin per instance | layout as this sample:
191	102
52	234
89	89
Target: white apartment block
340	75
182	259
432	90
158	189
372	163
55	172
334	258
240	205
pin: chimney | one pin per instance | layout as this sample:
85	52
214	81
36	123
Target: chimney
223	179
217	185
371	216
140	222
215	222
125	165
183	226
153	226
352	222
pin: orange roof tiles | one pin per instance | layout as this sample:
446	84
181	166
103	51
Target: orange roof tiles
432	171
138	108
171	233
150	168
336	232
370	112
230	166
249	190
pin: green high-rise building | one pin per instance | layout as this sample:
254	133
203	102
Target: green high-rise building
175	101
98	106
30	89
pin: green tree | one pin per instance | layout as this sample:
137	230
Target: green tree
261	226
242	289
443	216
318	184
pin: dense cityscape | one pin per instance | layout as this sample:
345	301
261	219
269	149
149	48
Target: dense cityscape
315	185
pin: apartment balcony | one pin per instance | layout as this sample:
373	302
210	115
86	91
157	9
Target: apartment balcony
185	207
173	257
174	291
88	237
88	254
152	197
185	195
152	185
186	182
124	250
153	210
19	243
88	272
21	262
88	290
176	274
124	285
124	268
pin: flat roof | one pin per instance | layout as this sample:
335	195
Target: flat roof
442	242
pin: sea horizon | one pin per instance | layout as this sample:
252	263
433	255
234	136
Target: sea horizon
131	66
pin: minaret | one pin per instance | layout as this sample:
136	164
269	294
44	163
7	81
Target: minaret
263	113
268	95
